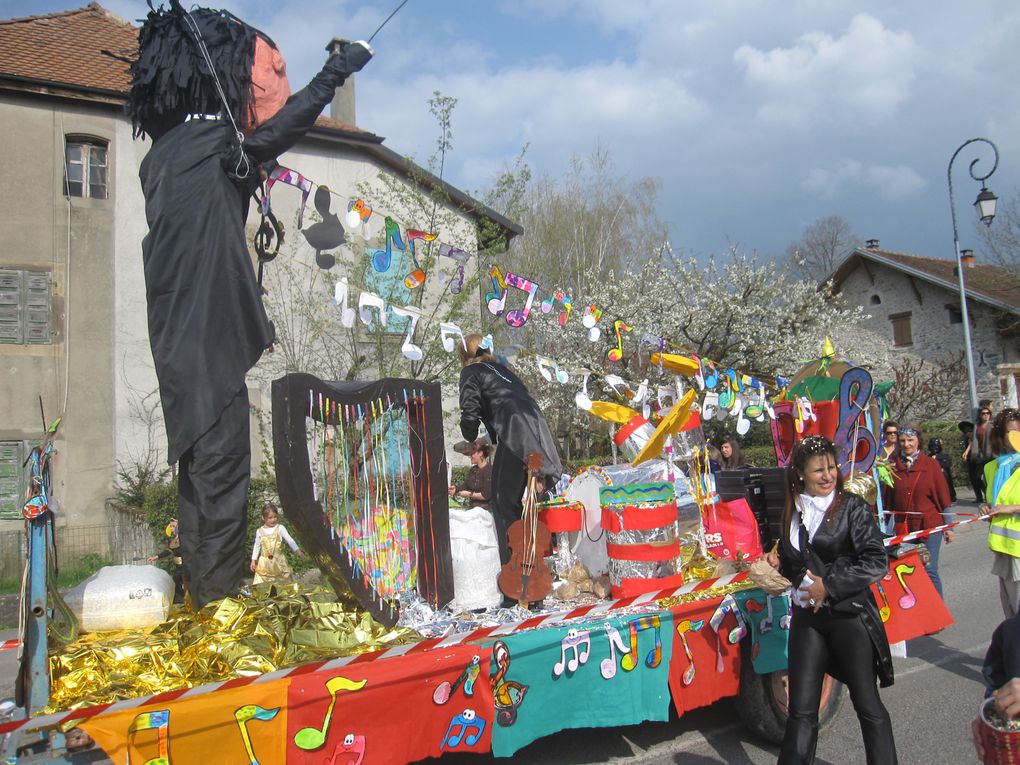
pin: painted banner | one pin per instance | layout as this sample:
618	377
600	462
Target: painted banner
769	620
908	602
706	664
236	725
596	674
395	711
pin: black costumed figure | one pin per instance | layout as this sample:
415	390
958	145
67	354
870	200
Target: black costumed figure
211	92
492	394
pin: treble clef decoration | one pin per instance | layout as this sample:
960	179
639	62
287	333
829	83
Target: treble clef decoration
854	394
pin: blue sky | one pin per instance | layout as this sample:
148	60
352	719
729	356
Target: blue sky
757	118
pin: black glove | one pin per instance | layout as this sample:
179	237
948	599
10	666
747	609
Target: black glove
350	57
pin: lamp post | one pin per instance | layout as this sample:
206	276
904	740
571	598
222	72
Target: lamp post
985	206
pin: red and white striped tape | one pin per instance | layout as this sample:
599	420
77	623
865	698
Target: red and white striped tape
535	622
925	533
8	644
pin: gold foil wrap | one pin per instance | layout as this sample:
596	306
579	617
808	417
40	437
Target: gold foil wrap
275	627
712	592
863	485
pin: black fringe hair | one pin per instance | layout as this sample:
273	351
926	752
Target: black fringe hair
170	79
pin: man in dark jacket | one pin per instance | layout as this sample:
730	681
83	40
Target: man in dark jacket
207	324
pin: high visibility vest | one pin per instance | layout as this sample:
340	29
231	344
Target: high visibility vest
1004	530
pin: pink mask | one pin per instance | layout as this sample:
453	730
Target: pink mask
269	82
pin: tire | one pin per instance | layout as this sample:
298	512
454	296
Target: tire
762	700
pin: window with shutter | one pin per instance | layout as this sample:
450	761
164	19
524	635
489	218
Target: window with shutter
902	333
12	479
26	307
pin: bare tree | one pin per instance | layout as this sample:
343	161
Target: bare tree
927	390
821	247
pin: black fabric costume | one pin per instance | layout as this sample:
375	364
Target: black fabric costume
491	393
846	638
1002	661
207	324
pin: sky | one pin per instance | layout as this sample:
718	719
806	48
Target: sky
758	118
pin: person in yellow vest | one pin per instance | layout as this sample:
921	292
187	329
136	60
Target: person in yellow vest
1003	495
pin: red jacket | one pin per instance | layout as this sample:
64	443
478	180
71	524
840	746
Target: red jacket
918	495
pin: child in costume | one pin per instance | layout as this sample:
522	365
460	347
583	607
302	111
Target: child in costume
211	92
267	559
173	551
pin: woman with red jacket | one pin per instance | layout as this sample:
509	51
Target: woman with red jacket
919	496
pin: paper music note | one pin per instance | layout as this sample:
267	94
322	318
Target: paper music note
409	349
358	213
766	623
709	373
755	408
885	611
608	665
350	751
496	300
417	275
464	722
559	296
908	599
856	446
381	259
743	424
446	332
461	258
573	641
243	716
682	629
368	301
312	738
727	606
158	721
629	661
590	321
543	368
619	327
347	314
582	400
518	318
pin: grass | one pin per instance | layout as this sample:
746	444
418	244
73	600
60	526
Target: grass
69	575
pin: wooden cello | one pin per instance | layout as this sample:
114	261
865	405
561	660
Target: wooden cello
525	576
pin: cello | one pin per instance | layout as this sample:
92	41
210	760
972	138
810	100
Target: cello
525	576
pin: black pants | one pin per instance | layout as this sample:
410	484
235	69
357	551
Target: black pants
815	641
212	494
509	479
976	473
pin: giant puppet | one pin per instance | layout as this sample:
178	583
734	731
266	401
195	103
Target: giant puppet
212	94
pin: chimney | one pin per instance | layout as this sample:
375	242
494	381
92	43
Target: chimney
871	244
341	108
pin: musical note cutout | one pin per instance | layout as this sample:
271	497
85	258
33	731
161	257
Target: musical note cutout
856	447
728	392
350	751
805	413
726	607
508	694
582	400
709	373
519	317
629	660
461	258
682	629
358	213
755	408
409	349
608	665
347	314
446	331
590	322
487	344
381	259
313	738
619	327
561	297
544	365
445	689
417	276
467	722
366	302
246	714
743	423
885	610
158	721
908	599
496	300
573	641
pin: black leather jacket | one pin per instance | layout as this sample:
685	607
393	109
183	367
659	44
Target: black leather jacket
850	549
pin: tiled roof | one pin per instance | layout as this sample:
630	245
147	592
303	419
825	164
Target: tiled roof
68	48
987	283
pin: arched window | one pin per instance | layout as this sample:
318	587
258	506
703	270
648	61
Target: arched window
85	167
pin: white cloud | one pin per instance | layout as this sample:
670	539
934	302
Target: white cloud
864	75
890	182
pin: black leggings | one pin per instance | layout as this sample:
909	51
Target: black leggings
815	641
509	477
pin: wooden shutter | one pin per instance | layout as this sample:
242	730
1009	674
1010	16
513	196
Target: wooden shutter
12	479
10	307
38	309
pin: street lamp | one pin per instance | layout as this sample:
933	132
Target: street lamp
985	206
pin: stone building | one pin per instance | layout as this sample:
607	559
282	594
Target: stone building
913	303
73	334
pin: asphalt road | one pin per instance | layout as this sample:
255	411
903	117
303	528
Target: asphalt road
936	694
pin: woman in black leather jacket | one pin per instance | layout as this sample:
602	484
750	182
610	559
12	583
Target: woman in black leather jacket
832	550
491	393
